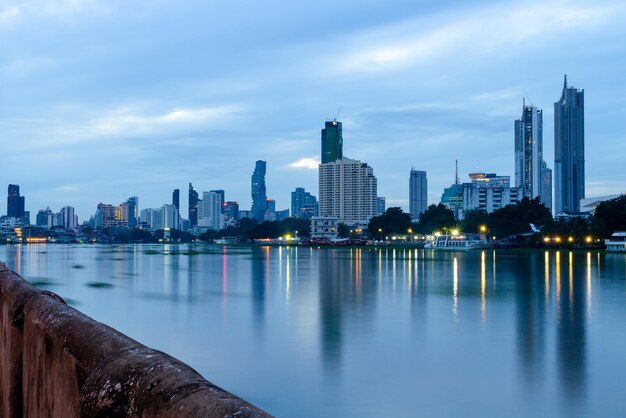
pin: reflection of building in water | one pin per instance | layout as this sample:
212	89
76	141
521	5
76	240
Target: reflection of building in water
260	275
344	278
571	319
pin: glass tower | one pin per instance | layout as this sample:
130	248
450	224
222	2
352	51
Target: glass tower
569	149
193	206
418	193
332	142
259	192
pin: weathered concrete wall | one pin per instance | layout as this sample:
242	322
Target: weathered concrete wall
57	362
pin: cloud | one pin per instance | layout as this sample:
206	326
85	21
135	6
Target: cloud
13	12
477	33
305	163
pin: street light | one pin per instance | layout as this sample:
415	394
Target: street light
410	230
483	229
380	232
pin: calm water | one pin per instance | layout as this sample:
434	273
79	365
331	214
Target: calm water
365	332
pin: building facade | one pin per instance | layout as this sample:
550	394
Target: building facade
488	192
210	211
529	152
347	191
332	142
193	206
418	193
569	150
259	191
170	218
303	204
324	227
15	203
151	218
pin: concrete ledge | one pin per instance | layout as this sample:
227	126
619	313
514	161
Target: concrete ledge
57	362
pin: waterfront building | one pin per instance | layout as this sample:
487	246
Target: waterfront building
380	205
324	227
68	219
210	211
44	218
170	218
193	206
452	198
176	199
109	216
588	205
231	210
151	218
130	211
347	191
259	192
529	164
546	187
418	193
332	142
15	203
222	197
303	204
569	150
488	192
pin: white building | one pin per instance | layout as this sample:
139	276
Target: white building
210	211
347	191
589	205
170	217
489	192
324	227
70	220
151	217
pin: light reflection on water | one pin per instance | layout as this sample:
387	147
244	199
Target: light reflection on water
363	331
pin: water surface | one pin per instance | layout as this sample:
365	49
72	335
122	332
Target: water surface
365	332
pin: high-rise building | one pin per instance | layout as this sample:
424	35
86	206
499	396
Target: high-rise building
170	217
259	192
347	191
210	211
231	210
529	164
418	193
488	192
151	218
222	197
15	202
130	211
303	204
452	197
569	150
69	219
44	218
176	198
109	216
332	142
380	205
546	186
193	206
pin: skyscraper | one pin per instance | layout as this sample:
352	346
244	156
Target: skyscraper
303	204
210	211
418	193
569	149
259	192
348	191
222	196
130	210
529	152
15	202
332	142
546	187
176	198
193	206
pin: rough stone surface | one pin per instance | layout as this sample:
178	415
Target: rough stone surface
57	362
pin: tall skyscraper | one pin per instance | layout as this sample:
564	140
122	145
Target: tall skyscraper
15	202
569	149
69	219
546	187
259	192
193	206
381	205
332	142
176	198
210	211
529	152
231	210
170	217
303	204
347	191
130	211
418	193
222	196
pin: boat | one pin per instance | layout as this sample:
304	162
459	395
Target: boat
226	241
617	243
456	242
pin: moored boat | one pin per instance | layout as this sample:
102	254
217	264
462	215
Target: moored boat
617	243
456	242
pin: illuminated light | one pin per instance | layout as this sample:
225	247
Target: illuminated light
483	228
546	239
410	231
455	232
380	230
571	239
557	239
437	234
588	239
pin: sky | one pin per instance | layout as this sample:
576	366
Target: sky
103	100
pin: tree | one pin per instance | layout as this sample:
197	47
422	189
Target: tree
516	219
393	221
435	217
474	219
612	215
342	230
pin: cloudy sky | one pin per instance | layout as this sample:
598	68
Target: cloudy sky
105	99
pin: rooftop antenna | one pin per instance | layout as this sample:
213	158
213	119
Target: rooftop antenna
338	112
456	171
526	96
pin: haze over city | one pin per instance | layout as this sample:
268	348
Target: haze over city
106	99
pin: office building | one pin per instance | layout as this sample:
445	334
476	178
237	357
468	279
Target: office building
332	142
176	199
15	202
210	211
380	205
68	219
193	206
418	193
529	152
569	150
130	212
347	191
231	210
44	218
170	218
109	216
546	187
151	218
222	197
259	192
303	204
488	192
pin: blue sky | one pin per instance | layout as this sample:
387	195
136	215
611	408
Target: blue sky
102	99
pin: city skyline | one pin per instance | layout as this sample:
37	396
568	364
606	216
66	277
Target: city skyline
157	113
